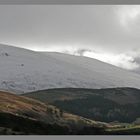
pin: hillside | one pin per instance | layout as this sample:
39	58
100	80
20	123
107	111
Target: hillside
24	71
22	115
109	105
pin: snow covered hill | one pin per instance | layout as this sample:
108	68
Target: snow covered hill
23	70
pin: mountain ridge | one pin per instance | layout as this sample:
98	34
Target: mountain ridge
23	70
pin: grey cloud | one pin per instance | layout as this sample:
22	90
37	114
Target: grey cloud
88	25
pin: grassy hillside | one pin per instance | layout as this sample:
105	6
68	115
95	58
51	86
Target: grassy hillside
113	104
22	115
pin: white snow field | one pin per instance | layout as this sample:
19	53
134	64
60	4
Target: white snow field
23	71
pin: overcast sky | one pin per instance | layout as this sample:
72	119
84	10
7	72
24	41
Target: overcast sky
108	33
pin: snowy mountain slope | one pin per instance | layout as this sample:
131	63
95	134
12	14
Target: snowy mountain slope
23	70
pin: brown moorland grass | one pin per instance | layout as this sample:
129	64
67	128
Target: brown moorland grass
33	109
